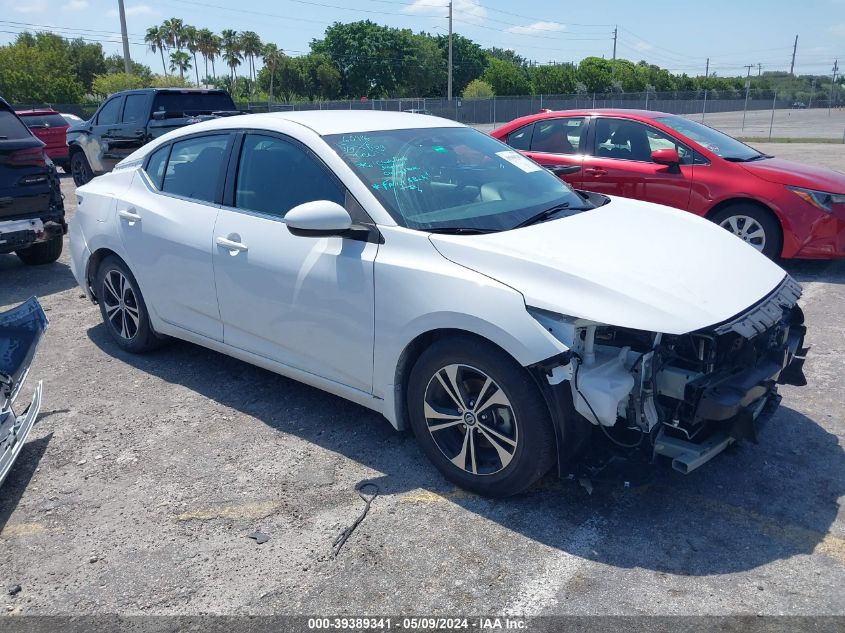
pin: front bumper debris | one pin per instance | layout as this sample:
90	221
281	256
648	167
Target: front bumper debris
21	331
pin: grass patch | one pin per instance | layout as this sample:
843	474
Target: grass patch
787	139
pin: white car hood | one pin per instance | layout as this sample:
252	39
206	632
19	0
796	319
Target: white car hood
629	263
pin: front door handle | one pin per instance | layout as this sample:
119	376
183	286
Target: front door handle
563	170
232	243
595	171
129	215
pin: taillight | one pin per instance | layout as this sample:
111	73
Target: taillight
30	157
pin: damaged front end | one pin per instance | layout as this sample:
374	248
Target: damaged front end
21	330
686	397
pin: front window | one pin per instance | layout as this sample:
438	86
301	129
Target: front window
452	178
720	144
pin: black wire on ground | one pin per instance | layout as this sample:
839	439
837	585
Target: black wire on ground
347	532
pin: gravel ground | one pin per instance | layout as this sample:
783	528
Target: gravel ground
144	476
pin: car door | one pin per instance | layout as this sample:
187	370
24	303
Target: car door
306	302
558	145
127	135
102	151
166	223
620	163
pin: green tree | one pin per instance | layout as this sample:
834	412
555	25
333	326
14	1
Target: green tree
595	74
468	61
174	30
181	61
114	64
478	89
104	85
231	49
155	39
250	46
209	47
35	74
191	36
555	79
87	59
506	78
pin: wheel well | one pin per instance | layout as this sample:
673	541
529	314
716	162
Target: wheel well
93	264
724	204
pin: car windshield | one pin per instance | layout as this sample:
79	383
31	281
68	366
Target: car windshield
717	142
453	178
193	102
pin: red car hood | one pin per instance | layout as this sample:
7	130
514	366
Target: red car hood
797	174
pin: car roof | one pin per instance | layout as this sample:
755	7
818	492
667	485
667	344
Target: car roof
325	122
612	112
35	112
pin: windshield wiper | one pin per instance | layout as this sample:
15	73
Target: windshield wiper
460	230
549	213
739	159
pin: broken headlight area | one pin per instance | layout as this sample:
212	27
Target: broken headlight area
685	397
21	331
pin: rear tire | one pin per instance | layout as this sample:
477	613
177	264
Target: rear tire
80	169
479	417
123	309
754	225
42	252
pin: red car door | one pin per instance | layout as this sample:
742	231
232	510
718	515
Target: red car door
620	163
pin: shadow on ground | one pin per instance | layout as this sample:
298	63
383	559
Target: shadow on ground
20	475
745	509
827	271
19	282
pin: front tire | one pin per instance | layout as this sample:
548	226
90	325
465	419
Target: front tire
479	417
42	252
123	309
80	169
754	225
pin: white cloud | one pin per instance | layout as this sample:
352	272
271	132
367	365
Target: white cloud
538	27
136	9
30	6
838	29
76	5
462	10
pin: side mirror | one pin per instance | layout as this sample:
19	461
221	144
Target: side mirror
321	218
666	157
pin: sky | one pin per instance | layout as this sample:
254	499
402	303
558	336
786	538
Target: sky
678	35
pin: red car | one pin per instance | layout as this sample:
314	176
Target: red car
780	207
51	128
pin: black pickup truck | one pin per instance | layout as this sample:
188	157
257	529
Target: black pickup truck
129	119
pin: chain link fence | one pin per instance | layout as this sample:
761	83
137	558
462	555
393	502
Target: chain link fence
759	114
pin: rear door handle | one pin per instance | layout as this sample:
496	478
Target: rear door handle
129	215
595	171
563	170
232	244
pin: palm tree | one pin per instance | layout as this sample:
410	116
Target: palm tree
214	51
204	45
174	30
155	40
273	56
190	39
231	50
251	47
181	61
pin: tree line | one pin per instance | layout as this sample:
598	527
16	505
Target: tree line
351	61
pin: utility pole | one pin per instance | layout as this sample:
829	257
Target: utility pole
449	83
127	63
812	93
615	33
707	69
832	85
794	49
748	67
759	69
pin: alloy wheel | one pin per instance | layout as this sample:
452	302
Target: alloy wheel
121	304
747	229
471	419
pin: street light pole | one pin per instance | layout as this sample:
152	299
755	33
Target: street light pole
747	90
127	63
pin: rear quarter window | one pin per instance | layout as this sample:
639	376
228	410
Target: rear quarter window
44	120
11	128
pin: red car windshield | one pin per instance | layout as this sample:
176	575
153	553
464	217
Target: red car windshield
717	142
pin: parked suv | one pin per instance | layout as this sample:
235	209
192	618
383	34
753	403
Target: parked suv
130	119
32	213
50	127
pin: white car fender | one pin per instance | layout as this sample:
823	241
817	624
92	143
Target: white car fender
455	298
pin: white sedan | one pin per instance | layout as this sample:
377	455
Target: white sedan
426	271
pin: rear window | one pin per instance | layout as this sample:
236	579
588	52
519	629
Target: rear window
43	120
192	103
11	128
